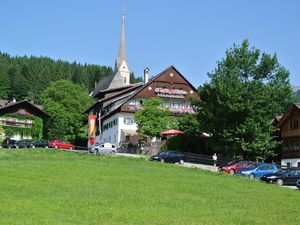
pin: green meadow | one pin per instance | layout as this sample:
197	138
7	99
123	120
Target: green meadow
58	187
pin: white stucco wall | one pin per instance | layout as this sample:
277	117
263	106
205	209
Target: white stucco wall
293	162
114	134
122	125
111	134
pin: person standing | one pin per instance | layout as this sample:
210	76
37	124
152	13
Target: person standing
215	159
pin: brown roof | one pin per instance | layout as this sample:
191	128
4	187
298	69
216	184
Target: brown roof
114	95
287	113
7	105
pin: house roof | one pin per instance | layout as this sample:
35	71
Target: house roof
122	97
8	106
120	101
114	95
163	72
288	112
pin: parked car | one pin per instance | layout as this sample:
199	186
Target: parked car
258	170
9	143
23	144
298	183
104	148
234	166
40	144
170	157
283	177
60	144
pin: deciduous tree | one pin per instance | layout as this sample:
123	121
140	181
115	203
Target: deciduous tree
153	118
65	102
246	91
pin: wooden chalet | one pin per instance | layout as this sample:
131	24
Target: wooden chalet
289	127
19	114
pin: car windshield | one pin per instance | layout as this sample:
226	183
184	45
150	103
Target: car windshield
253	166
282	171
162	153
232	163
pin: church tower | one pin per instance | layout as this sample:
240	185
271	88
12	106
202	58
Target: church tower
121	64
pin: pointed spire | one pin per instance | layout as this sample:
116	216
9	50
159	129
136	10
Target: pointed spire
121	64
122	46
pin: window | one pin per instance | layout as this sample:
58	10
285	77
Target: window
296	146
128	121
294	124
286	147
242	164
115	121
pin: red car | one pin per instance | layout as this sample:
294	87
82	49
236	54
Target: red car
233	167
60	144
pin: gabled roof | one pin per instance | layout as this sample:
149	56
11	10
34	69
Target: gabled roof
7	106
294	107
114	95
110	82
163	72
120	101
122	97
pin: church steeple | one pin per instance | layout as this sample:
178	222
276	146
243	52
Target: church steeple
121	64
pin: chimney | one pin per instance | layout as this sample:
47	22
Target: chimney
146	75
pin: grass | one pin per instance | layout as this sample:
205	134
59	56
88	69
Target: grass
57	187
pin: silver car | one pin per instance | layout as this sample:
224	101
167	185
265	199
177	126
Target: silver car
104	148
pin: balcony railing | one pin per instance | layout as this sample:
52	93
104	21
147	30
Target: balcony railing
16	123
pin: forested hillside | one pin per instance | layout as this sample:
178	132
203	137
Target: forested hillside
27	77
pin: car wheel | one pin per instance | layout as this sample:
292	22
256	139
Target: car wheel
113	152
162	160
279	182
181	161
231	172
251	176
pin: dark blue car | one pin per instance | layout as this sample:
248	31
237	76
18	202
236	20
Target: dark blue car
258	170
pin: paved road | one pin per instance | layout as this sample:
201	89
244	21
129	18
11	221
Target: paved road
200	166
186	164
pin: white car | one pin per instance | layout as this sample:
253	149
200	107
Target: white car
104	148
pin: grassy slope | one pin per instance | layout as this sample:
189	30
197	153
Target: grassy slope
57	187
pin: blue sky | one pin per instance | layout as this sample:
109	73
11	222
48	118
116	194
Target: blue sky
191	35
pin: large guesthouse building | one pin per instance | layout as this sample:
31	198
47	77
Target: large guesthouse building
118	100
289	127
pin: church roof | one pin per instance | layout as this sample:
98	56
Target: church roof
115	80
110	82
